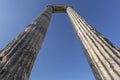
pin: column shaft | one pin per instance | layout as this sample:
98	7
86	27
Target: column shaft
17	59
103	57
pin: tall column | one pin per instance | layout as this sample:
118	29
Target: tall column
103	57
17	59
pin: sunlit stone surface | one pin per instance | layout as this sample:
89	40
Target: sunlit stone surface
103	57
17	58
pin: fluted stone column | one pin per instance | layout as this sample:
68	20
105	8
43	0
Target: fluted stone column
17	59
103	57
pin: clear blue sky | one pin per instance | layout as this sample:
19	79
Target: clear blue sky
61	56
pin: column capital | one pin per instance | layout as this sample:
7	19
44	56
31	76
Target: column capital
59	8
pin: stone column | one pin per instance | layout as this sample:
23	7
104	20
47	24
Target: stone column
103	57
17	59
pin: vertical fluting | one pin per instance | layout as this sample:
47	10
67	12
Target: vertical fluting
17	59
103	57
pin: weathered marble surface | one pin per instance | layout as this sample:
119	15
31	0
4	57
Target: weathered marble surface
103	57
17	58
